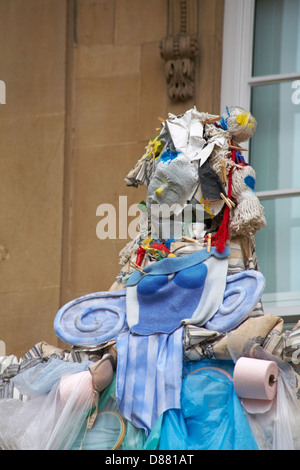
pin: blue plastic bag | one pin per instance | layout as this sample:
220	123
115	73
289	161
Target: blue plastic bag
210	418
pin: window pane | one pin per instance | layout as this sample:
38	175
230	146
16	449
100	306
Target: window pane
276	37
278	252
275	145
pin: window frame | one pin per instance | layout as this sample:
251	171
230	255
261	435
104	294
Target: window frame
236	85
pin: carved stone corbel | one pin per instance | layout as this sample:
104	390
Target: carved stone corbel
180	48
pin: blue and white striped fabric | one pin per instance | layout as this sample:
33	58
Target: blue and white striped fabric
149	376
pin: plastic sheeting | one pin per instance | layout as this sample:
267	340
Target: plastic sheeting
44	422
110	431
211	417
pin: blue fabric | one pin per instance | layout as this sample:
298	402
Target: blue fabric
239	158
243	291
223	120
149	376
176	290
168	156
91	319
172	265
223	123
250	182
210	418
163	302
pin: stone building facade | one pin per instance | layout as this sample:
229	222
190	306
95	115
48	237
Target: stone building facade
86	81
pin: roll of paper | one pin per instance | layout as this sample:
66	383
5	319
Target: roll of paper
255	382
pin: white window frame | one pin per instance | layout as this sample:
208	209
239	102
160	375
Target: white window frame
237	81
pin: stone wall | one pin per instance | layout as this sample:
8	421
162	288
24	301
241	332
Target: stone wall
85	86
32	134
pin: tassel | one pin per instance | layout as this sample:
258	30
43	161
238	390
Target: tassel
140	255
219	239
